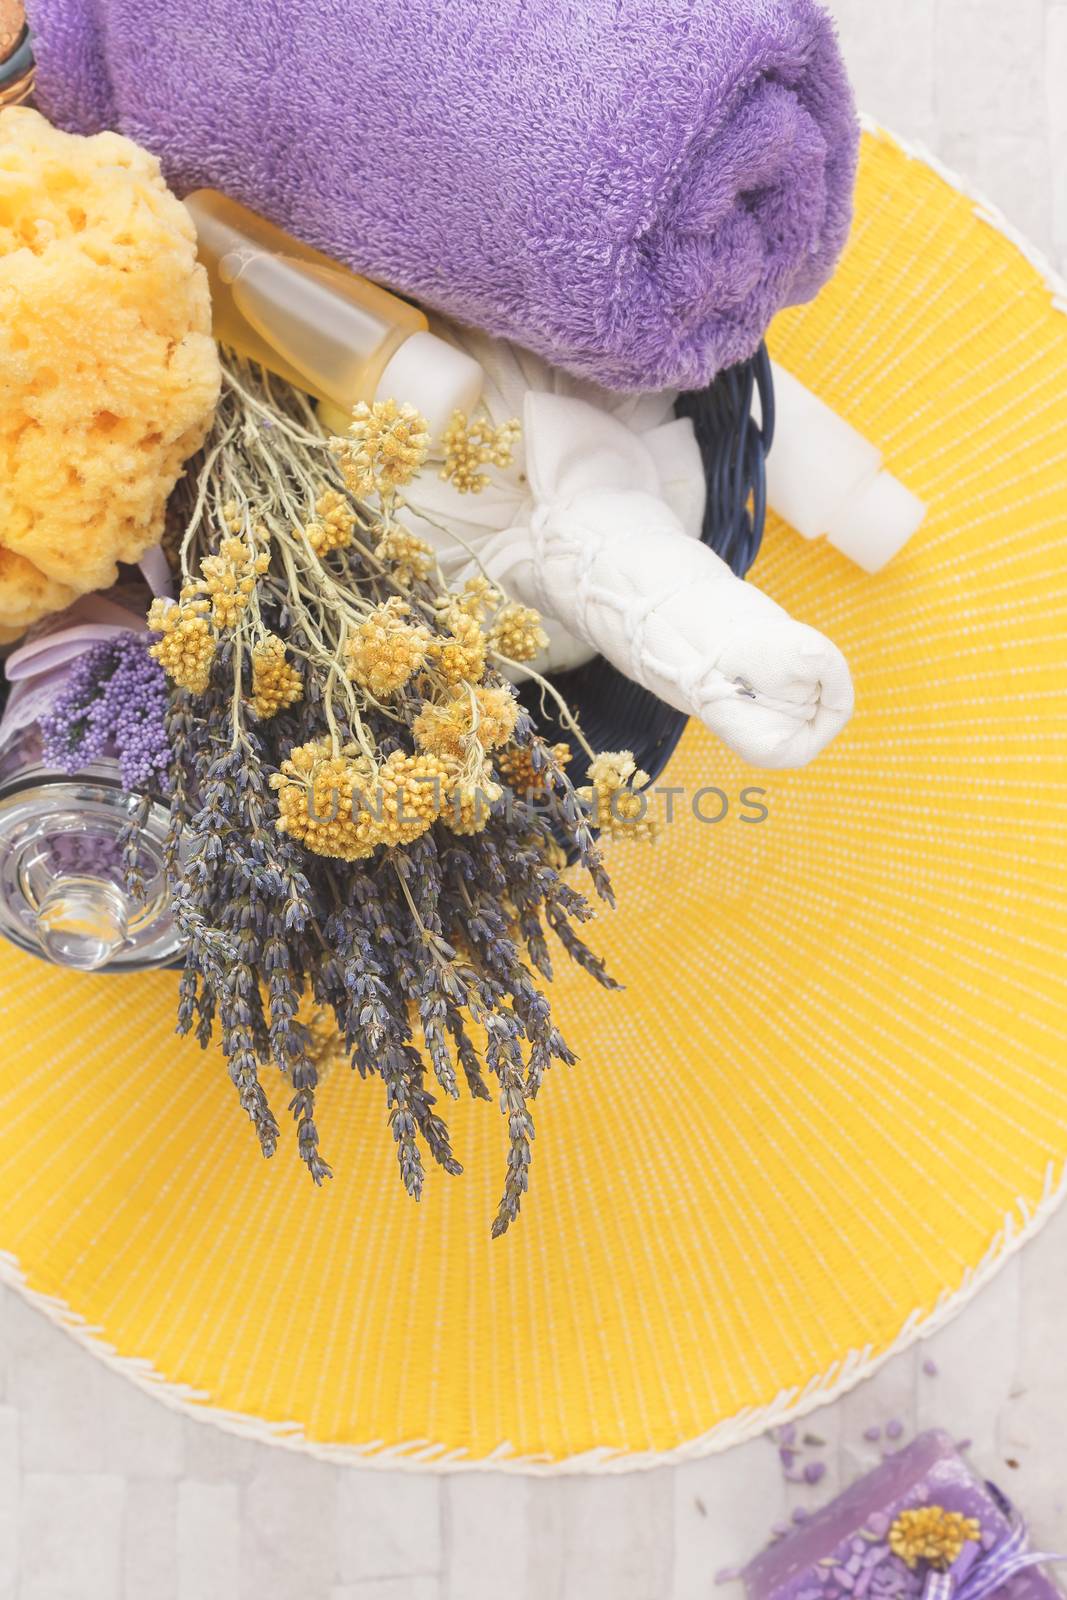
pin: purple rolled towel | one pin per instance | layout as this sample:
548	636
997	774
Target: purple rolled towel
632	188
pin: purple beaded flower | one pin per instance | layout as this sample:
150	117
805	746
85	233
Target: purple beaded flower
113	703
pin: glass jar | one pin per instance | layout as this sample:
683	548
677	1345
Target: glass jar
63	894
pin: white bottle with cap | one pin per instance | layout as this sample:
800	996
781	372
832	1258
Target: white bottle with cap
324	328
828	481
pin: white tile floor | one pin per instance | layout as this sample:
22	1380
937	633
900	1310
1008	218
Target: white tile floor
983	83
106	1495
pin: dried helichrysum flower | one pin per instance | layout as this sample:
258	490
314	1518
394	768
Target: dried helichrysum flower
555	855
517	633
314	792
384	653
518	767
459	656
385	448
340	806
405	796
478	596
228	580
437	930
618	809
276	683
471	445
323	1044
486	713
468	806
498	712
332	526
409	558
186	650
930	1533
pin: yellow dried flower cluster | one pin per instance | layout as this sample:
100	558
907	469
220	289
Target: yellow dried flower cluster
477	597
315	790
385	448
460	658
618	810
386	651
276	684
485	714
517	633
471	445
325	1046
186	650
340	806
324	1039
333	525
410	557
517	769
206	606
930	1533
469	806
228	580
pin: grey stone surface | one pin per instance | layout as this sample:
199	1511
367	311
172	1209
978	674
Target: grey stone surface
70	1536
10	1487
208	1540
150	1540
388	1526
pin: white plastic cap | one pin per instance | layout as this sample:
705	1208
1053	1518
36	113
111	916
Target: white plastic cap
876	522
434	377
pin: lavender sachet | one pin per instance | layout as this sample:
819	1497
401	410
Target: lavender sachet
921	1526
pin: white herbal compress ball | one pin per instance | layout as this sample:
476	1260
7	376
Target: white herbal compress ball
596	523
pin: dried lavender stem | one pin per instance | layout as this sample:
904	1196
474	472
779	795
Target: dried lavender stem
401	939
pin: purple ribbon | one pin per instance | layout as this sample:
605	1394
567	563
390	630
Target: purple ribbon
56	643
60	639
977	1573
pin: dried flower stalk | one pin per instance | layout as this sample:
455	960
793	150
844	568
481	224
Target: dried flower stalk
358	828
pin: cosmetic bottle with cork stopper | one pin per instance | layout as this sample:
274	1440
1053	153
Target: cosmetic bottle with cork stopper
328	331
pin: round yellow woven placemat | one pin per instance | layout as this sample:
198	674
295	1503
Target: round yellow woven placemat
835	1090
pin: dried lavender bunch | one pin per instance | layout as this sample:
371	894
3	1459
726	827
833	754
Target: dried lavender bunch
113	703
358	800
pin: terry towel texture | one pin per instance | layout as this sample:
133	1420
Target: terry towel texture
632	188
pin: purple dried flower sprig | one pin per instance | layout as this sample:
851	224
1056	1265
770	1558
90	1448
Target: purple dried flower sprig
113	703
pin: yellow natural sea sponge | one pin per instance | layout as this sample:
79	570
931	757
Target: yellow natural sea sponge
108	372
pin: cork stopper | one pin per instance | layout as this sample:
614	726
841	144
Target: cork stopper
12	23
16	54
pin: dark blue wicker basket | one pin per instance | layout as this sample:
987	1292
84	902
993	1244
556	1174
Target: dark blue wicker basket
614	713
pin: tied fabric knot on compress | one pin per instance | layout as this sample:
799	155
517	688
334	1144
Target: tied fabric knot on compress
596	524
